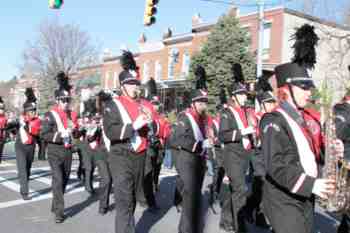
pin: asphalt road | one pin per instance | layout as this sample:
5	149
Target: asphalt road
34	216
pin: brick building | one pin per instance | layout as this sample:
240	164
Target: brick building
168	60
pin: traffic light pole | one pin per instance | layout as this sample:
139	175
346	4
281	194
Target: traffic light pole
261	38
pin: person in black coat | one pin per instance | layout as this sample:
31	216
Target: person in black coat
58	130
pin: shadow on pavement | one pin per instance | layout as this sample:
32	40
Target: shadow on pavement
165	203
77	208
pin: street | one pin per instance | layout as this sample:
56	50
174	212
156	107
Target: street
34	216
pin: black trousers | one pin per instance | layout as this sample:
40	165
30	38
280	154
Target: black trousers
80	147
89	162
219	171
105	184
127	170
24	159
235	163
42	144
60	161
98	158
285	213
2	144
191	170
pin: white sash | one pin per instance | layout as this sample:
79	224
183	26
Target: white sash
22	132
198	136
106	140
306	156
60	126
136	140
245	139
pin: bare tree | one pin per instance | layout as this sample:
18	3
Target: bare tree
58	47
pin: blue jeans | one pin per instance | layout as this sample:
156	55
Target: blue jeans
167	159
210	167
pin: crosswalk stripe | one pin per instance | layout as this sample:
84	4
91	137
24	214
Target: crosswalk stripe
12	185
37	175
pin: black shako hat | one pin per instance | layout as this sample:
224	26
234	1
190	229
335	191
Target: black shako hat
2	104
200	94
129	73
265	97
30	103
237	86
294	74
64	88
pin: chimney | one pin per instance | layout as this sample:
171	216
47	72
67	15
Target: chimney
142	38
196	19
167	34
107	53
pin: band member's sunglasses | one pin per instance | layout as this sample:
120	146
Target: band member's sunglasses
65	100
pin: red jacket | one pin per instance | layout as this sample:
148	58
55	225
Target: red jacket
3	122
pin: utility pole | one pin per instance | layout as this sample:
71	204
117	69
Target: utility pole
259	67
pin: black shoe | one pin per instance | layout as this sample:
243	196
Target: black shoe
102	211
260	220
343	227
89	190
154	209
226	228
178	208
59	218
25	197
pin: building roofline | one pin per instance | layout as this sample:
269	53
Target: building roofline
90	67
116	58
178	38
316	19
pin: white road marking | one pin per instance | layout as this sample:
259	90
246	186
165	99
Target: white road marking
11	185
37	196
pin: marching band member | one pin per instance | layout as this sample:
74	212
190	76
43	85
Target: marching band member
342	125
190	141
288	146
126	125
28	129
3	122
59	128
234	133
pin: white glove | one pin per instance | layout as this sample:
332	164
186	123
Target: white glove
140	122
323	188
206	144
65	134
247	131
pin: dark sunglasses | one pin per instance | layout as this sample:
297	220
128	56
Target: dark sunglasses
65	100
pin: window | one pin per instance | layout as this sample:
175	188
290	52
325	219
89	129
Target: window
173	59
267	39
115	79
185	63
158	70
106	80
145	73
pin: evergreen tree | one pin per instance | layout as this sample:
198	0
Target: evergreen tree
227	44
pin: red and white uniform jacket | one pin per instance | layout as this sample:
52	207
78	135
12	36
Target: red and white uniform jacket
190	132
56	122
3	123
118	119
232	121
29	128
313	121
289	152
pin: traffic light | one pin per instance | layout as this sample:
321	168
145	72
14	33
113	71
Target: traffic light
55	4
150	11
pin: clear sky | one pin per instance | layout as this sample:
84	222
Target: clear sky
111	23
